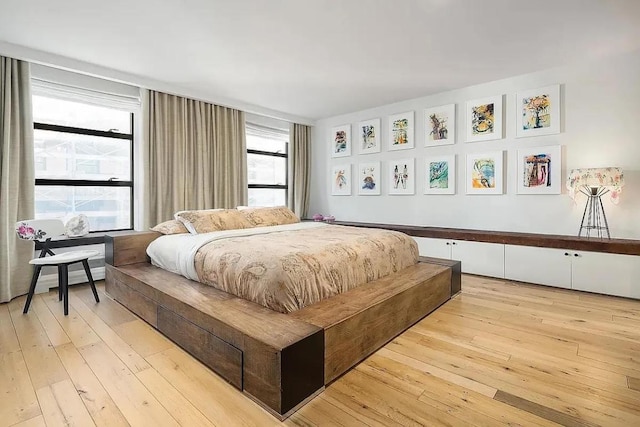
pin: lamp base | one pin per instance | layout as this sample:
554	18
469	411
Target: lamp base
594	221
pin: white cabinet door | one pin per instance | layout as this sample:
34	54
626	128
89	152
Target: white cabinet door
485	259
544	266
611	274
436	248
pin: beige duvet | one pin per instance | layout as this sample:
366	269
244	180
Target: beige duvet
288	270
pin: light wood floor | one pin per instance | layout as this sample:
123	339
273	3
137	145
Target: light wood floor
498	354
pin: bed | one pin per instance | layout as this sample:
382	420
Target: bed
279	356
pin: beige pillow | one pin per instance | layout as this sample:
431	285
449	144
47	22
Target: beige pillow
263	217
172	226
206	221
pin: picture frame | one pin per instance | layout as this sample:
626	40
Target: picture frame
401	135
402	177
369	179
485	173
440	125
484	119
538	111
369	132
341	180
341	141
539	170
440	175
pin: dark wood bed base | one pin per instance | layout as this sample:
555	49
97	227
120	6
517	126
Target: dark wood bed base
279	360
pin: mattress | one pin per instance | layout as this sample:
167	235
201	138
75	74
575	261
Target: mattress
286	267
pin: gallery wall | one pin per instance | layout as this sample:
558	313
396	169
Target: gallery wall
600	106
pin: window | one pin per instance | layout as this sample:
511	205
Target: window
84	162
267	165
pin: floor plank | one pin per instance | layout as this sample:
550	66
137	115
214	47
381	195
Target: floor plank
142	338
18	398
55	332
134	400
182	410
541	411
102	408
73	324
33	422
107	309
194	381
8	338
134	361
61	406
501	353
42	361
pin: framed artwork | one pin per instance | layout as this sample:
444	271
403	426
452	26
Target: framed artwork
369	179
369	136
440	125
402	177
538	111
539	170
401	131
341	141
484	119
441	175
341	180
484	173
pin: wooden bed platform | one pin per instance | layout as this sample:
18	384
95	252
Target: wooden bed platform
279	360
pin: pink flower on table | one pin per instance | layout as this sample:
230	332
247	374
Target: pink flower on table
25	231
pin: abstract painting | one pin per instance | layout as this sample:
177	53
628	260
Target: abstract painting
402	179
369	136
539	170
538	111
484	173
484	119
441	175
401	131
440	125
341	180
341	141
369	179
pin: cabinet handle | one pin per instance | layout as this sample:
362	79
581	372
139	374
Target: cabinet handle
453	243
576	255
448	243
566	254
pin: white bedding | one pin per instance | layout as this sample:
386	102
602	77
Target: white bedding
176	252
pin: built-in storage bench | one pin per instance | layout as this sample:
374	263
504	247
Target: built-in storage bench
608	266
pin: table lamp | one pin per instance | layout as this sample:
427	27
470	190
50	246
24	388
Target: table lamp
595	183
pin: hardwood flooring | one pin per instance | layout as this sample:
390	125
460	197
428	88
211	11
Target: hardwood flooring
500	353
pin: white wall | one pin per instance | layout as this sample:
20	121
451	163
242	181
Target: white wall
601	112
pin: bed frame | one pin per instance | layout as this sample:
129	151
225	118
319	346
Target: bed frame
280	360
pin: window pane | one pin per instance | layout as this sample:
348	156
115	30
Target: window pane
267	197
108	208
263	169
67	113
266	144
61	155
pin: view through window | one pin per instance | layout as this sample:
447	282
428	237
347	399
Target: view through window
83	159
267	165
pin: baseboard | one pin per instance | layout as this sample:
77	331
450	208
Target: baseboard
51	280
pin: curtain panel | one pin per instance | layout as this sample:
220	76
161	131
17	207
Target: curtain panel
299	169
17	176
195	156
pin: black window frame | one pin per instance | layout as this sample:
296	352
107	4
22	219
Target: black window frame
285	156
95	183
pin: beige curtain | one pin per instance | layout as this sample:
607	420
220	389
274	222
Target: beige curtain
194	156
17	176
299	169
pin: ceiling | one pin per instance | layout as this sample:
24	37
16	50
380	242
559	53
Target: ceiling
322	58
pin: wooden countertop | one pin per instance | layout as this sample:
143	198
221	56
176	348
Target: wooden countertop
615	246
